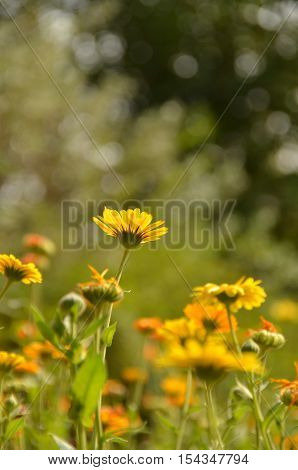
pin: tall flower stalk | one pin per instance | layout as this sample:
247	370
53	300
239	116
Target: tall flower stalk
98	424
185	410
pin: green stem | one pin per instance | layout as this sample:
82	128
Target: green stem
81	437
98	424
185	410
5	287
233	333
104	350
259	417
216	439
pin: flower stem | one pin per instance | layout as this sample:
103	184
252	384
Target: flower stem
98	424
259	417
99	430
184	410
216	439
233	333
5	287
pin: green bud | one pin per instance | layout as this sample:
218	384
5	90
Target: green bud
250	346
72	303
268	339
105	292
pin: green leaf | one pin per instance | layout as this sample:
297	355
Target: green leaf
46	331
13	426
91	329
108	334
88	383
273	414
166	422
117	440
61	443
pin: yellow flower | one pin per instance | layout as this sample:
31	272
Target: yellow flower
245	293
285	310
10	361
178	329
174	388
132	227
15	270
210	318
211	359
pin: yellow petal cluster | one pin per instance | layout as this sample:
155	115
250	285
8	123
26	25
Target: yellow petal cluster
245	293
210	359
132	227
15	270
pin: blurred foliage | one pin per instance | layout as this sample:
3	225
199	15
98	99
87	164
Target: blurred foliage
143	85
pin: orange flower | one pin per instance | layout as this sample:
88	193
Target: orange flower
39	244
64	404
115	419
28	367
26	330
291	442
210	318
42	262
147	324
38	350
175	390
134	374
114	387
289	389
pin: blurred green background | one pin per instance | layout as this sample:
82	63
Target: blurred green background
149	80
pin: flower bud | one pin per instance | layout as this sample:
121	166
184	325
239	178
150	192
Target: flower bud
11	403
250	346
108	291
72	303
241	392
288	398
268	339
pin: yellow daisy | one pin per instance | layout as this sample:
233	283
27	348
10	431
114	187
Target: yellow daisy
245	293
15	270
211	359
132	227
178	329
10	361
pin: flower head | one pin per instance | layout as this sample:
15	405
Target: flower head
113	387
28	367
39	350
245	293
178	329
115	419
267	336
289	389
147	325
132	227
15	270
101	289
10	361
174	388
285	311
209	317
39	244
134	374
211	359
